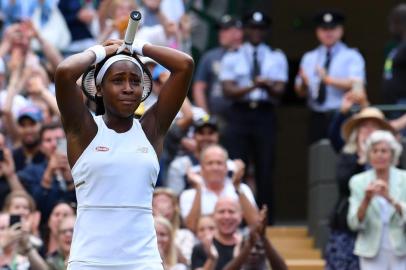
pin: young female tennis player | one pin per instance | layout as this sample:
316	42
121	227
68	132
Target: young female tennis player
114	157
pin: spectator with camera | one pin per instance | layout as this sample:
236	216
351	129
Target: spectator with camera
51	180
16	251
212	184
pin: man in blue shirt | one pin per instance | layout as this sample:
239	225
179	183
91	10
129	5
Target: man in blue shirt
327	72
253	78
50	181
207	89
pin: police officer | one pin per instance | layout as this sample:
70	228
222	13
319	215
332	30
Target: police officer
253	78
207	90
327	72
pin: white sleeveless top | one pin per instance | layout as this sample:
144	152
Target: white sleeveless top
115	178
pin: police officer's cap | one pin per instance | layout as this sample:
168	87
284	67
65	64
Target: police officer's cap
329	18
228	21
257	19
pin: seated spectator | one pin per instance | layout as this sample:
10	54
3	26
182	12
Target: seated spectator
50	235
27	129
213	184
351	160
17	251
166	244
205	228
257	252
205	133
50	181
377	206
165	204
58	260
215	255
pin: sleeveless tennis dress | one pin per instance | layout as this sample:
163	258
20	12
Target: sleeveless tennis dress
114	179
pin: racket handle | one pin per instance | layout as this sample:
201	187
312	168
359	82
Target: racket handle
133	22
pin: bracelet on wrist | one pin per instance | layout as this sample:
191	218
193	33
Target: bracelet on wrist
99	51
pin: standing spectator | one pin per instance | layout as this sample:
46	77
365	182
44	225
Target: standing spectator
207	89
377	206
79	15
352	160
327	72
254	77
395	70
213	184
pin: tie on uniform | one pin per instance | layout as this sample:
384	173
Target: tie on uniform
256	71
321	97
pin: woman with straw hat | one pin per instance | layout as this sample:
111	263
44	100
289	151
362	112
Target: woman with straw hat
351	160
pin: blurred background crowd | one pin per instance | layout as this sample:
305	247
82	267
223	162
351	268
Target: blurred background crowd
219	180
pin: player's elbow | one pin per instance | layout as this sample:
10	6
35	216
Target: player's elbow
63	71
187	63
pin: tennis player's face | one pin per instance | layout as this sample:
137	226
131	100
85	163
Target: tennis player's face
121	89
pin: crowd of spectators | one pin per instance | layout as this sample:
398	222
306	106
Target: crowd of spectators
207	215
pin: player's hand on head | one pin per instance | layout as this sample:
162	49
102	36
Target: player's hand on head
111	46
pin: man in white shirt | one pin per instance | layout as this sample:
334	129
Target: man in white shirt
212	184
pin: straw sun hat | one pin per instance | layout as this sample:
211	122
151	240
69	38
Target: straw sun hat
368	113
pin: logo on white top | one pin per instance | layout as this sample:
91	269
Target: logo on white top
102	148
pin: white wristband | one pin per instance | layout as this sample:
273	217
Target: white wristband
99	52
138	45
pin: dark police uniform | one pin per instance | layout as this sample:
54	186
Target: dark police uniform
251	129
